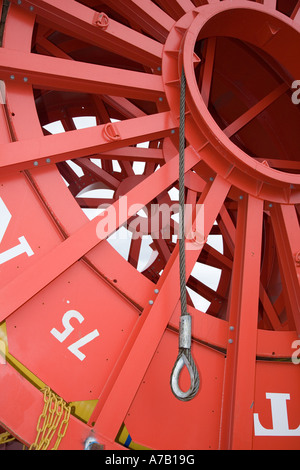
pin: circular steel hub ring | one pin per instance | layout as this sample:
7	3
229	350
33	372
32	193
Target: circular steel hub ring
215	148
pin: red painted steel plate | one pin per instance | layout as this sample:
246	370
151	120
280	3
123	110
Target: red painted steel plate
78	315
96	310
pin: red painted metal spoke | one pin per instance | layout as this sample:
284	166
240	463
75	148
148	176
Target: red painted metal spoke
296	13
208	70
44	45
270	3
70	177
101	175
127	167
92	203
162	248
147	15
124	106
227	228
135	154
205	291
253	112
176	8
216	259
269	309
65	256
53	73
286	229
135	248
79	21
243	318
140	351
80	143
198	3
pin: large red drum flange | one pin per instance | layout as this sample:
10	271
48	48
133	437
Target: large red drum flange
237	21
95	326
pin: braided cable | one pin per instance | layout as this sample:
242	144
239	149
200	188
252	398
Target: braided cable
184	357
182	197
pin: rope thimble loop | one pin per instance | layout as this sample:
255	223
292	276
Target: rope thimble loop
185	359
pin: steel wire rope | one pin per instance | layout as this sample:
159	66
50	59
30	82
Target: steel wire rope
184	357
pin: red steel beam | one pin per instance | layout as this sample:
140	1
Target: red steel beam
124	106
110	411
79	22
270	4
296	13
208	68
269	309
62	74
176	8
147	15
253	112
31	281
230	237
28	154
134	154
287	235
239	385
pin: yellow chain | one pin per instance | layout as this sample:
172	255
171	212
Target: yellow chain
55	409
6	437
